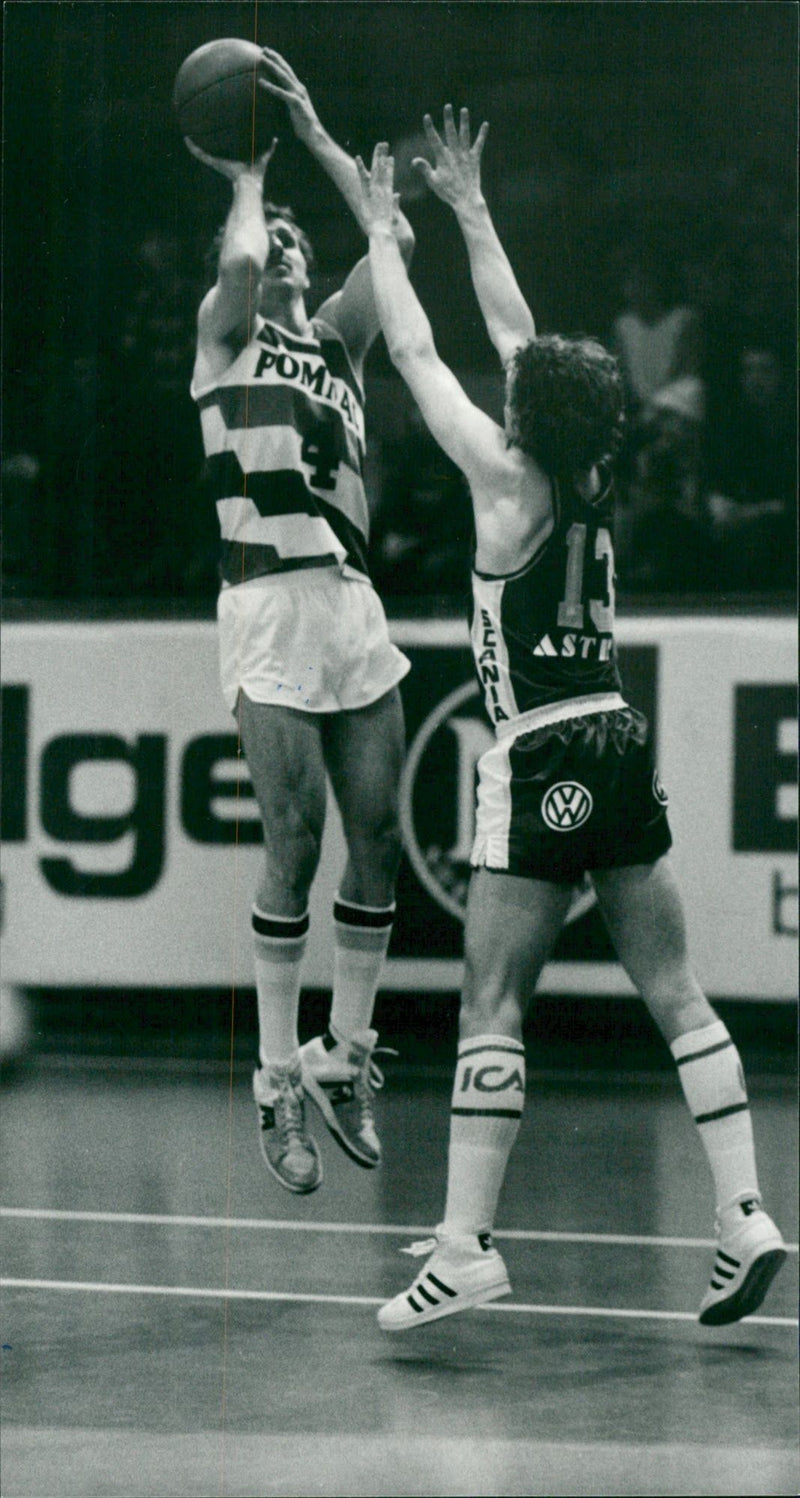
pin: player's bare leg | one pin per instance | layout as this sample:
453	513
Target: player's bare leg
363	754
284	755
511	928
512	925
644	913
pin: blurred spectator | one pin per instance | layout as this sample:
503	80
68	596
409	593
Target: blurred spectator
663	532
712	279
422	528
151	536
654	337
752	474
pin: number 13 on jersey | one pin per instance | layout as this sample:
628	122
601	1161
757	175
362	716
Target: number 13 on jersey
571	610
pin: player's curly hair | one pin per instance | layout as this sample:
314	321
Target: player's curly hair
566	403
271	211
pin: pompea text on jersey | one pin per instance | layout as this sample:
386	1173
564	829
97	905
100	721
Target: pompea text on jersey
309	373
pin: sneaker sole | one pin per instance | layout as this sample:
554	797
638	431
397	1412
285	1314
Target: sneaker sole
466	1302
316	1093
751	1292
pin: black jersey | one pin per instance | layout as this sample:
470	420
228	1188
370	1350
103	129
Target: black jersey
545	634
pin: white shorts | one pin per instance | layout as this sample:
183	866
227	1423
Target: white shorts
311	639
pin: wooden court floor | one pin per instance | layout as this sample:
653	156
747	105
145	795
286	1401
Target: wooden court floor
175	1324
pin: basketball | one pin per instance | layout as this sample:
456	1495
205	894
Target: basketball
219	104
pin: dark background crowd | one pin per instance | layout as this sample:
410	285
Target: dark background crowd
640	167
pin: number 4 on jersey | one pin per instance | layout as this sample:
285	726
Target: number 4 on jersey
319	452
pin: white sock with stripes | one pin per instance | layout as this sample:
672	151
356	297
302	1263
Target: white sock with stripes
279	943
361	936
487	1103
713	1082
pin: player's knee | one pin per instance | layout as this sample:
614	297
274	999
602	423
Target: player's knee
293	856
377	847
677	1002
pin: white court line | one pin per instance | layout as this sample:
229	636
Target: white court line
286	1225
301	1298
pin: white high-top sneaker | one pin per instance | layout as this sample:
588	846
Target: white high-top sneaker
750	1252
462	1272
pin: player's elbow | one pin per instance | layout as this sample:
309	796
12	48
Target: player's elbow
240	265
408	350
508	341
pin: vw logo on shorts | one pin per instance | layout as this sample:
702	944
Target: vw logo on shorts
567	806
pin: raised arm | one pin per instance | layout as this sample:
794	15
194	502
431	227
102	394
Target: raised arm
468	436
352	309
228	310
455	177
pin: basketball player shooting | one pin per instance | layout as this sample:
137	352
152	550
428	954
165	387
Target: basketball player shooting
570	786
306	662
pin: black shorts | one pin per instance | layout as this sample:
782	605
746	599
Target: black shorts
570	797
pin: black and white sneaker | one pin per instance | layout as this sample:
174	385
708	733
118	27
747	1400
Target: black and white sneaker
342	1078
287	1148
462	1272
750	1252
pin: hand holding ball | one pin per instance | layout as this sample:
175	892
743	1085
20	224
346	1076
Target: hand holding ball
219	103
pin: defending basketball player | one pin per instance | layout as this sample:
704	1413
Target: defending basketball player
570	786
306	661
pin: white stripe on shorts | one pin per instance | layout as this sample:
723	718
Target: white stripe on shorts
558	712
493	818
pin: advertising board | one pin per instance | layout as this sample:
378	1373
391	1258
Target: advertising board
131	838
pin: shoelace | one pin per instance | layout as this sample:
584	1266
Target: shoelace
422	1246
289	1118
369	1079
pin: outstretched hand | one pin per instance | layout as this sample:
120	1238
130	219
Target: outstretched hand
378	197
455	176
234	169
285	85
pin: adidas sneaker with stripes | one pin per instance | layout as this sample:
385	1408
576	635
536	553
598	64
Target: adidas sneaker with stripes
461	1273
749	1254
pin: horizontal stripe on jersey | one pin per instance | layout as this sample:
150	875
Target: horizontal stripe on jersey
284	491
250	421
297	530
243	564
283	435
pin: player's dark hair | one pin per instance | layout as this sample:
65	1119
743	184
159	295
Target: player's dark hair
271	211
566	403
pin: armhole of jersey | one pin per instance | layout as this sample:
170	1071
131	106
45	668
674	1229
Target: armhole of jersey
198	391
606	473
329	327
538	551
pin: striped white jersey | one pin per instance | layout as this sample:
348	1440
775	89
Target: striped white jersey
283	431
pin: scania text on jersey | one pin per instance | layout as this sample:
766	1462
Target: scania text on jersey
489	668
